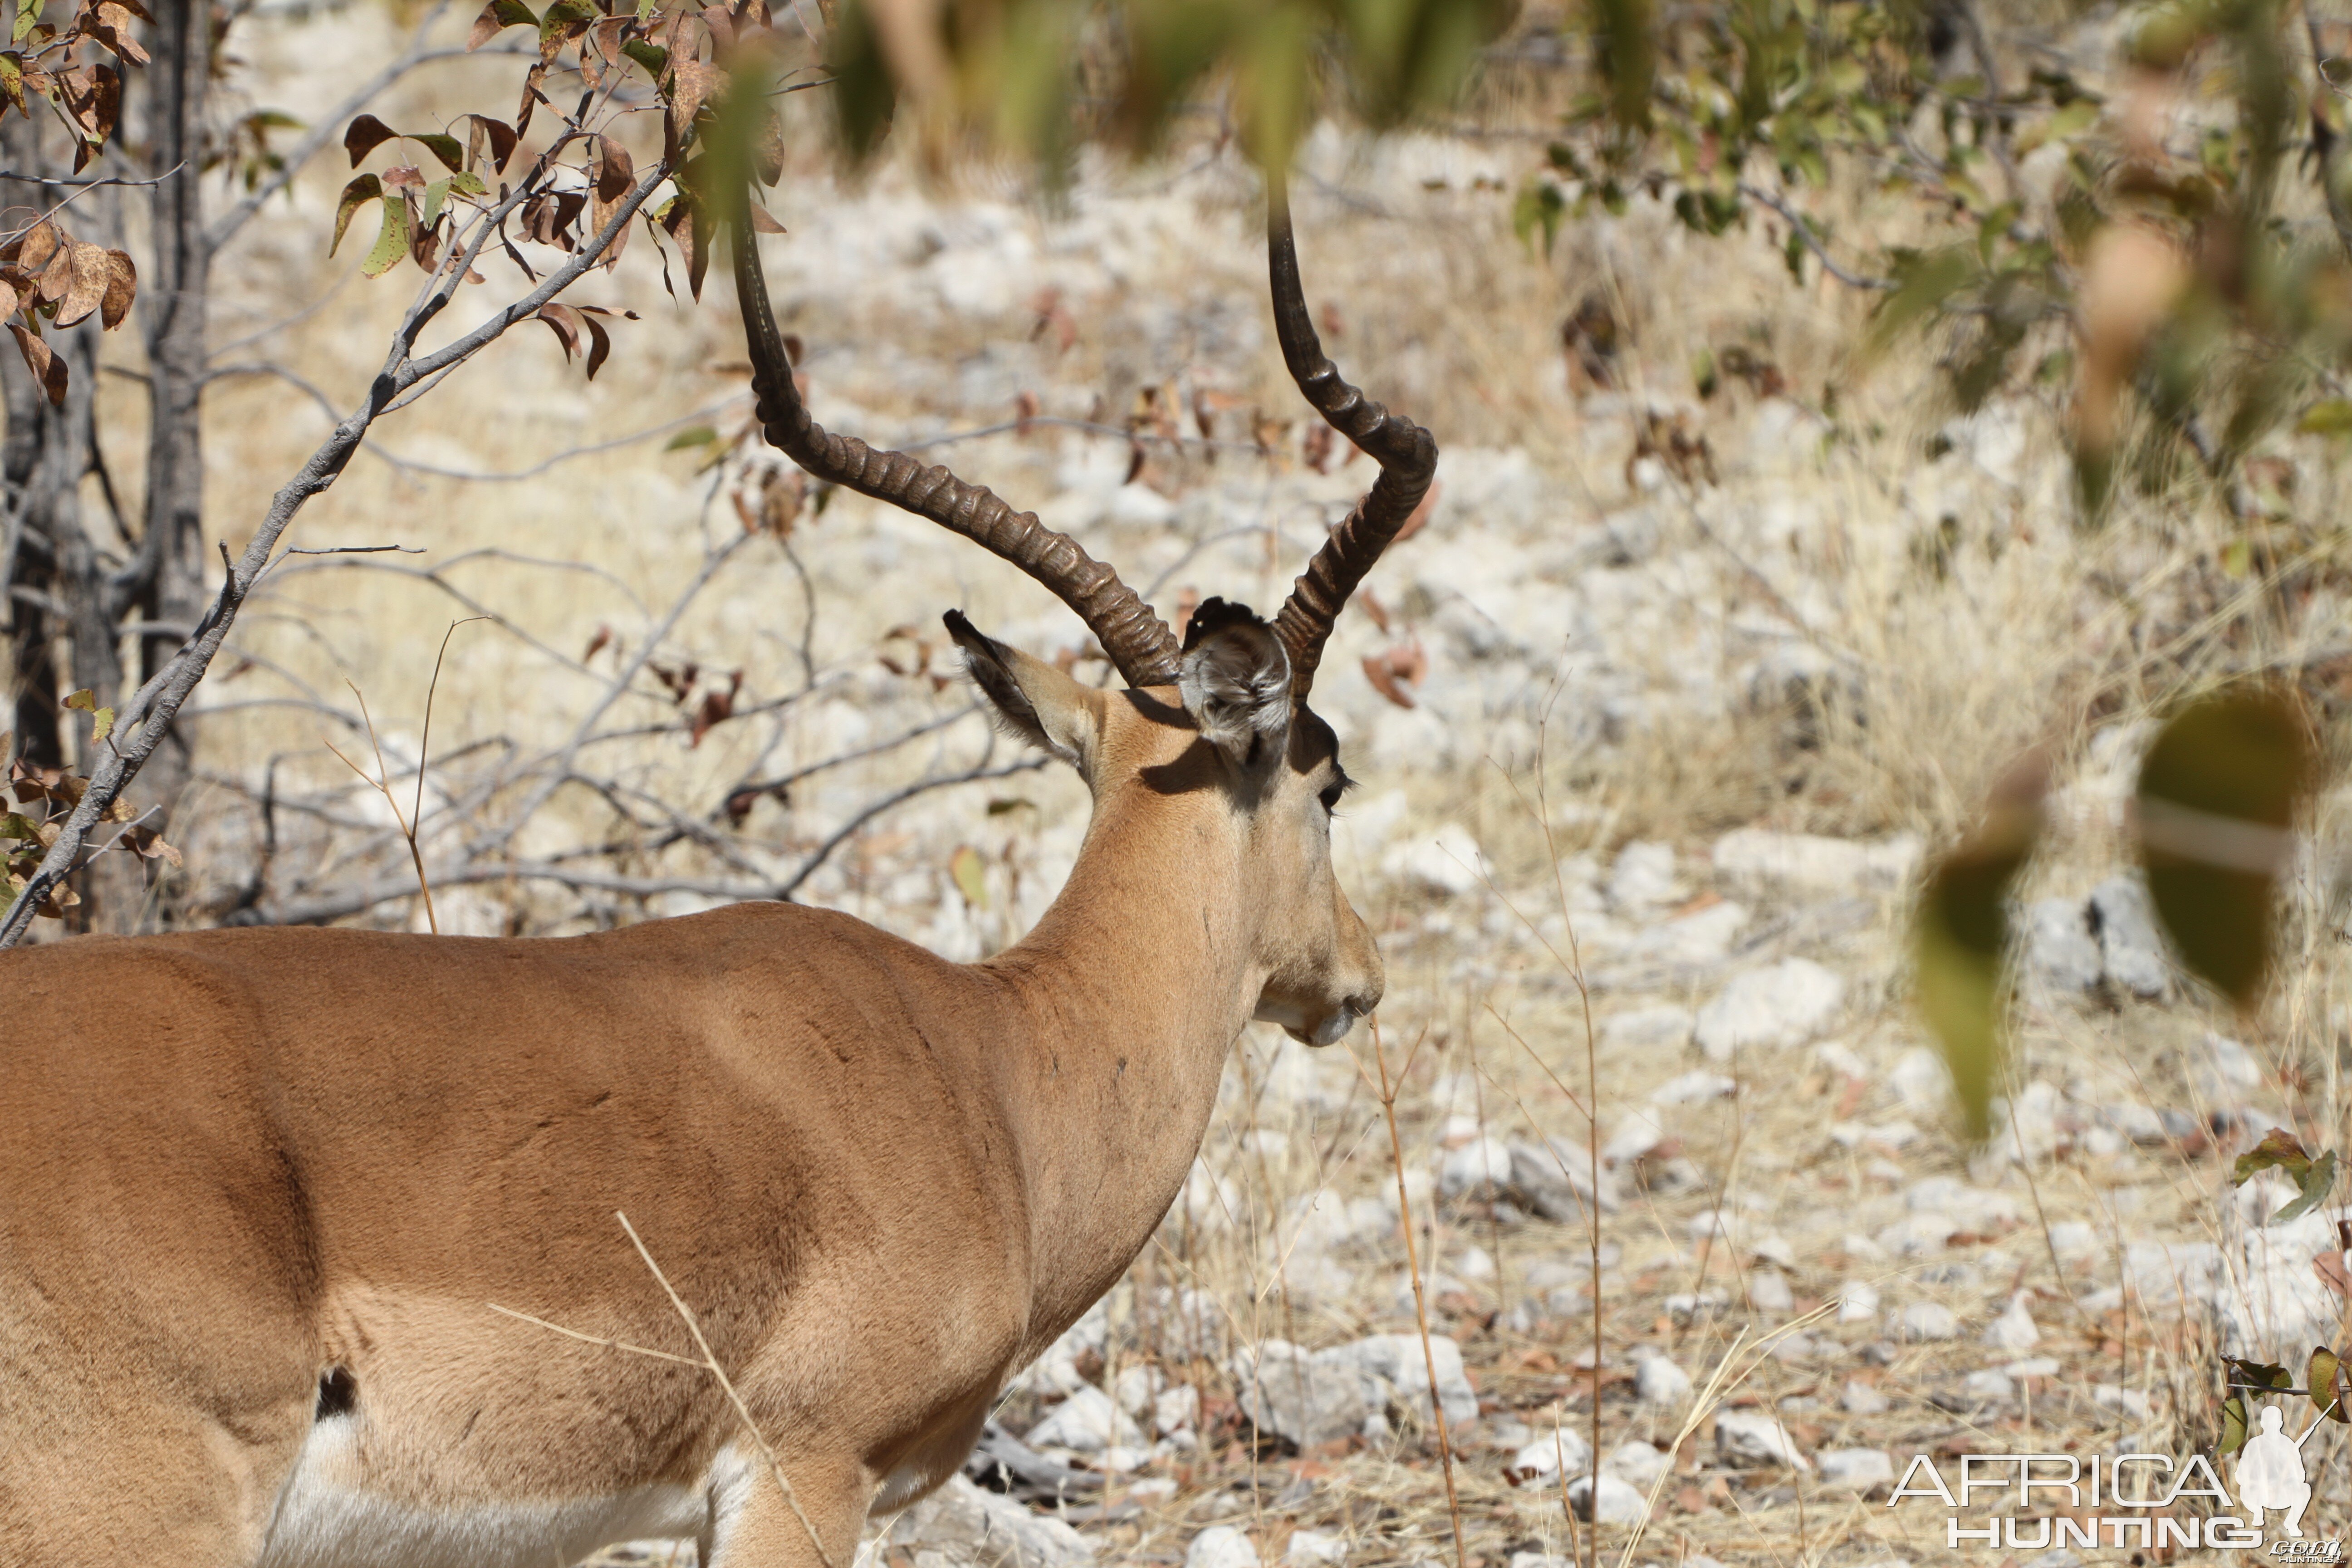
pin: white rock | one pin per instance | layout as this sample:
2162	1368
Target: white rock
1857	1469
1481	1162
2014	1329
2033	1366
1555	1180
1658	1381
1785	1004
1768	1292
1313	1549
2129	948
1858	1302
1862	1399
1643	877
1138	1386
2062	957
1637	1133
1840	1059
1447	861
1662	1025
1221	1546
1774	1249
1921	1080
1930	1320
962	1526
1990	1383
2232	1063
1748	1437
1637	1463
1176	1410
1086	1423
1808	863
1618	1504
1542	1458
1693	1086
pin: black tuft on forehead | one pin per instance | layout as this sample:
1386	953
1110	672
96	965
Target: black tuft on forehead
1215	616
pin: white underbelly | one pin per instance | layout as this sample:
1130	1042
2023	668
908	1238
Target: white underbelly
328	1516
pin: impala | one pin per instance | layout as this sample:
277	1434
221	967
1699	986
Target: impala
261	1190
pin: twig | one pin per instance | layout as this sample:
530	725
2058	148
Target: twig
1419	1297
1804	231
425	742
146	717
775	1469
597	1338
382	782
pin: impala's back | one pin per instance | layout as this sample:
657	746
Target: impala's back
260	1191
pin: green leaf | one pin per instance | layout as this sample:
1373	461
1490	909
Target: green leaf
1541	205
970	875
2279	1149
653	56
2313	1185
465	182
435	195
447	148
85	700
1959	939
16	825
2233	1426
28	16
2330	417
2218	793
101	723
356	195
391	242
692	435
2323	1382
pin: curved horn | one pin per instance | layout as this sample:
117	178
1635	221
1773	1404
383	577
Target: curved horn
1406	453
1138	641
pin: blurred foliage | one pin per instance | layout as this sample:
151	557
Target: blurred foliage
1036	77
2218	795
2137	248
1961	940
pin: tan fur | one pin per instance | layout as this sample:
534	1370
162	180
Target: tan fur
231	1162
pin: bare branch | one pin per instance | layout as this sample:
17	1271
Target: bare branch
146	717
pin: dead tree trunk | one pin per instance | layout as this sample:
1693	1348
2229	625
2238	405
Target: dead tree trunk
169	571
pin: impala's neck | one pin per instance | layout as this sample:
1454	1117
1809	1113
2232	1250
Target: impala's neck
1134	987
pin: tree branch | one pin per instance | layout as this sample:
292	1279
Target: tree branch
147	717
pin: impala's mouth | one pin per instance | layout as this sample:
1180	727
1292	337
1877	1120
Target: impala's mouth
1328	1029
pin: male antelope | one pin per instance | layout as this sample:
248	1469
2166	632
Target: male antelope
260	1189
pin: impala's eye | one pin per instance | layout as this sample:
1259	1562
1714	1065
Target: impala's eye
1334	790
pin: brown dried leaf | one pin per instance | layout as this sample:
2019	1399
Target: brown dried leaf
611	171
496	134
691	84
121	288
11	299
364	135
109	23
86	289
404	177
565	322
36	246
57	277
47	368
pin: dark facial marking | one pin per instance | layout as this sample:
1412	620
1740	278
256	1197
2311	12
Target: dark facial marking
339	1393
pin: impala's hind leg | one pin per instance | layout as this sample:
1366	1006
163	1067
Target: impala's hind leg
752	1525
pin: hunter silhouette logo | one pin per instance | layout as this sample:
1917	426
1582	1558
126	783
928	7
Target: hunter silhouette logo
2270	1475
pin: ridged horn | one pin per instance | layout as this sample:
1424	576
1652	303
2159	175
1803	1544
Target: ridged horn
1406	453
1138	641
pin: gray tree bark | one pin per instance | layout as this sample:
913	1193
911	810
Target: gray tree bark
170	571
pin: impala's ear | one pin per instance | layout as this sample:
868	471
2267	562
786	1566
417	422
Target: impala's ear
1235	682
1034	701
